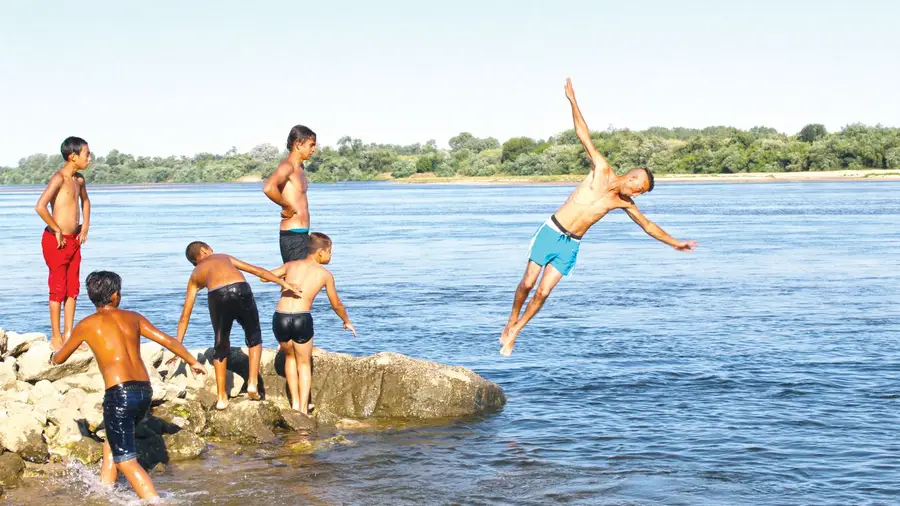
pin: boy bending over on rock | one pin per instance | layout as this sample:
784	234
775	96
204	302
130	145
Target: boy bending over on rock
114	336
230	299
292	323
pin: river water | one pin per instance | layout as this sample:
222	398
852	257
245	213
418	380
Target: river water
763	368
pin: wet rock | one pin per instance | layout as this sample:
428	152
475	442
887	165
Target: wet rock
22	433
390	385
190	412
11	469
184	444
296	421
34	364
246	420
86	450
3	341
17	344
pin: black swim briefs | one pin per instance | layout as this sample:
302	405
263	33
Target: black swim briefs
228	304
297	327
294	244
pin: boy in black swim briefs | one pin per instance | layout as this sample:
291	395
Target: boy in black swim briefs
114	336
292	323
230	299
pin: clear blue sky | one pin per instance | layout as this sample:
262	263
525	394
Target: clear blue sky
181	77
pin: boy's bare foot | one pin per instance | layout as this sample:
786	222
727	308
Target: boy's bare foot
505	332
509	341
295	407
221	404
252	393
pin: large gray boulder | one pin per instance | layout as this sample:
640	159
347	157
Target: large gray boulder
90	381
34	364
246	420
391	385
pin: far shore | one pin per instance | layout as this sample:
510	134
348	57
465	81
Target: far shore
747	177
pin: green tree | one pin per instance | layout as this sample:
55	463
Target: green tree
812	132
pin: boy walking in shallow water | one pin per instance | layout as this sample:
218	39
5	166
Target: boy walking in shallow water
63	236
292	323
230	299
114	335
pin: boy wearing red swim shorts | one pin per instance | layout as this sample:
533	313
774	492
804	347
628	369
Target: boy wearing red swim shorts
63	236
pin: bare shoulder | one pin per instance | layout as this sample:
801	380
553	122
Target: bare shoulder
56	178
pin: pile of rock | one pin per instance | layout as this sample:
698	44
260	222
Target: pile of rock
53	413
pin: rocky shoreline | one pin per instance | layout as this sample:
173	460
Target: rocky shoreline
52	414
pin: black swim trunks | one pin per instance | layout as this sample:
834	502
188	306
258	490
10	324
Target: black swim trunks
228	304
124	406
297	327
294	244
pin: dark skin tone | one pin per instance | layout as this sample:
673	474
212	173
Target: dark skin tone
114	336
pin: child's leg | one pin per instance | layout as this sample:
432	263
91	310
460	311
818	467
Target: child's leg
221	368
255	353
56	339
290	373
108	472
56	282
303	354
139	479
73	286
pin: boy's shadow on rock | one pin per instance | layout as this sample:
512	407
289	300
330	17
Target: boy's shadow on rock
239	363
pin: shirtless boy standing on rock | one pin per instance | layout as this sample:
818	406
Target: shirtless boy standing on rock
287	188
554	246
63	235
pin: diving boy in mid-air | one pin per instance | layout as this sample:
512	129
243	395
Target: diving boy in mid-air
554	246
114	335
230	299
292	323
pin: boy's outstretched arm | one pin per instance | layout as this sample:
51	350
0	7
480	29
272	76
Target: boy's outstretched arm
263	274
656	232
278	272
598	161
41	207
152	333
68	348
336	303
189	299
85	212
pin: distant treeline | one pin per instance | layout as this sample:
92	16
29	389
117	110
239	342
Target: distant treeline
711	150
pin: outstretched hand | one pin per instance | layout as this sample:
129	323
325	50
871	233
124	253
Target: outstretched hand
198	368
349	326
687	246
570	92
292	287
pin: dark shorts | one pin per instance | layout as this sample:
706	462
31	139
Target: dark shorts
297	327
124	406
294	244
229	304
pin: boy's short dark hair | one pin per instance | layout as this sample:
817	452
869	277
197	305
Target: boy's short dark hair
650	177
299	133
193	250
317	241
101	286
71	146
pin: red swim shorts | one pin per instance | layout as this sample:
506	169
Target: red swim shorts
64	264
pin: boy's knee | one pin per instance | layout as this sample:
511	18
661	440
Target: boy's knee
527	284
542	293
